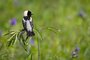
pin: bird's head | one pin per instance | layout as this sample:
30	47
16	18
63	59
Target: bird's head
27	13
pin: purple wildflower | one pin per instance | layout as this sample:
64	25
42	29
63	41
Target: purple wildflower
32	41
13	21
75	52
77	49
82	14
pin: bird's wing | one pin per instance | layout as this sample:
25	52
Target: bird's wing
31	22
24	24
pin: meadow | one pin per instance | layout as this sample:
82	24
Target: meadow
62	30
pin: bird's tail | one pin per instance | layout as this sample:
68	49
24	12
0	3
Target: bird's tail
29	33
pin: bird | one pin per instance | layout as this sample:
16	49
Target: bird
27	23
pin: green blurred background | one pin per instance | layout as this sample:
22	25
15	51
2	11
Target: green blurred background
59	22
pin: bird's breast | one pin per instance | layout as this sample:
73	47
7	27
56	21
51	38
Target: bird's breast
28	25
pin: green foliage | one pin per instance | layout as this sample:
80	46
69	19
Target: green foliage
58	24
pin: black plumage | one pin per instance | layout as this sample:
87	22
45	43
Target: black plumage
28	23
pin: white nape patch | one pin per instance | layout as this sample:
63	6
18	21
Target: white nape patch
25	13
28	25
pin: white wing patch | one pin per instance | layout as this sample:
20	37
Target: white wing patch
23	20
30	19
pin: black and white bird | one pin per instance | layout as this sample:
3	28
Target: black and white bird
28	23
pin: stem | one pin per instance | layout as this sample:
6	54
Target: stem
39	43
38	49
